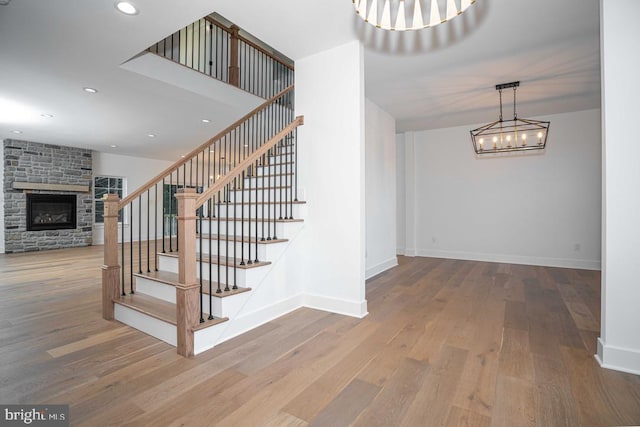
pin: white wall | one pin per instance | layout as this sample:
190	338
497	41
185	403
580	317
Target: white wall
619	342
541	209
137	172
380	189
329	255
2	198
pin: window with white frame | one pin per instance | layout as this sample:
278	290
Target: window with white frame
106	185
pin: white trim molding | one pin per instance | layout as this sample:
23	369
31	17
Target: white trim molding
512	259
335	305
381	268
617	358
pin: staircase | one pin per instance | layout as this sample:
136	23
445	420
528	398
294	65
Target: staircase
193	282
189	256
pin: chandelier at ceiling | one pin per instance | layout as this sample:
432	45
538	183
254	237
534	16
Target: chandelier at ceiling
510	135
393	15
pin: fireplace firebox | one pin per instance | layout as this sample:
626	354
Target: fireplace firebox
51	211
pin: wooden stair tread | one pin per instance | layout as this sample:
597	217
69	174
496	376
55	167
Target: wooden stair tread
224	261
154	307
276	164
283	187
171	279
269	174
241	239
208	323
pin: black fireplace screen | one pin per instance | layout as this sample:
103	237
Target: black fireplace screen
51	211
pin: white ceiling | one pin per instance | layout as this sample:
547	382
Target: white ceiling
50	50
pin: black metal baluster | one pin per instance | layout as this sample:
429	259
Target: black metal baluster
193	37
171	212
242	223
290	158
295	153
210	206
260	177
139	234
163	215
122	249
200	261
155	230
226	249
255	173
148	233
131	248
218	238
235	243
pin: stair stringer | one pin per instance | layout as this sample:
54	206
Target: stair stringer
266	301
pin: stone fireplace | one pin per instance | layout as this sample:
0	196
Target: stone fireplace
48	198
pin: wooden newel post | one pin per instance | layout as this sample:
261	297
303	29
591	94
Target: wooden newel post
234	66
110	268
188	289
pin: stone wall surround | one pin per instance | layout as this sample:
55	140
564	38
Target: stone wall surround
49	164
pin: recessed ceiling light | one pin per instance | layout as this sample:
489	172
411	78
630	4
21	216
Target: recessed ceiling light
206	121
16	131
90	90
126	8
46	116
114	146
151	135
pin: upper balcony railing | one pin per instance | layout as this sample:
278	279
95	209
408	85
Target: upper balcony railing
223	53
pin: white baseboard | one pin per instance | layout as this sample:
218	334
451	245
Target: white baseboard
383	266
410	252
618	359
335	305
512	259
252	320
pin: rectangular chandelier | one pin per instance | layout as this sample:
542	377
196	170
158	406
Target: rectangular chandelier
510	135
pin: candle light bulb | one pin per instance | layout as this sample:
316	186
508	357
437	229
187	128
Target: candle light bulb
495	142
524	139
481	142
509	141
540	138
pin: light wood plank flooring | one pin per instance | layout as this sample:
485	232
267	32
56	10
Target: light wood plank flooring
446	343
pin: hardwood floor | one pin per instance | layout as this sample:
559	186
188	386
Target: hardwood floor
446	343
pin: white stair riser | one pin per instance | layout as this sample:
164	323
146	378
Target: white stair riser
220	307
233	249
244	277
149	325
265	251
277	168
284	157
283	229
284	194
231	211
266	181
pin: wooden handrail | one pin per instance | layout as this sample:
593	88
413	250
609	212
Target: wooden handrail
249	42
153	181
233	173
